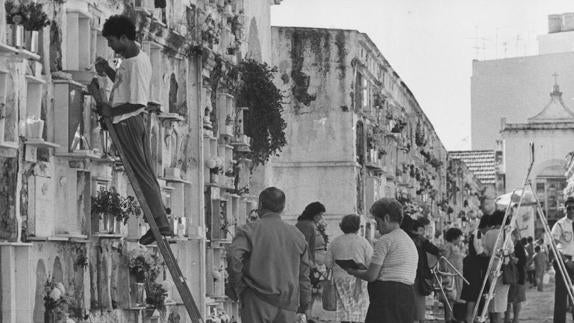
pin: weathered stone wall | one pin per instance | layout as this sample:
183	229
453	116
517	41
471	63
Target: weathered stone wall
318	163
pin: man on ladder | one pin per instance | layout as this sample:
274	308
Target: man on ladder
563	235
128	100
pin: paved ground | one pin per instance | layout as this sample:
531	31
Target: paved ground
537	308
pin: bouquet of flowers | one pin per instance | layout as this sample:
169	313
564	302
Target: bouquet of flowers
144	265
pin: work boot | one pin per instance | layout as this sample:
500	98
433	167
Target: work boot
148	238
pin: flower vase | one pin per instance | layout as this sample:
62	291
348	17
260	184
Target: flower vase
31	40
111	223
15	35
118	226
139	294
213	177
49	317
101	222
34	128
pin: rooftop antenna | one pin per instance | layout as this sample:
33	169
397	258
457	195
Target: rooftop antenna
477	47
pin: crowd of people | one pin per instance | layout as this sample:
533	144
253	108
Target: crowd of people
278	271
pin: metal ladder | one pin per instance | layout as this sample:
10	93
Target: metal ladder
162	243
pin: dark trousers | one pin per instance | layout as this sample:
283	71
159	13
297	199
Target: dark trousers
390	302
532	276
561	297
134	141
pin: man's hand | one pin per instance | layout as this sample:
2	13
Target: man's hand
101	66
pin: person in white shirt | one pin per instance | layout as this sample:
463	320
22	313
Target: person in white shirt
126	106
563	236
393	267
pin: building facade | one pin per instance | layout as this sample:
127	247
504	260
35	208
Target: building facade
464	191
551	132
61	253
513	88
355	131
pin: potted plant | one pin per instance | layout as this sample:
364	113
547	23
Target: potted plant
144	267
55	301
35	19
229	125
215	165
156	295
113	210
14	24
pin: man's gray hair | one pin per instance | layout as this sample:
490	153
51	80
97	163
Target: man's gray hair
272	199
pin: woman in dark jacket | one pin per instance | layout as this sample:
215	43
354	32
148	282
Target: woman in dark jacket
424	279
308	224
517	292
475	265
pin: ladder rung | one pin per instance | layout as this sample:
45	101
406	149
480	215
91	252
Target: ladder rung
162	243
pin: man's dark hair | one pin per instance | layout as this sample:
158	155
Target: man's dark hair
530	239
388	206
272	199
484	221
496	217
537	248
311	210
418	223
523	241
118	25
423	220
350	223
452	234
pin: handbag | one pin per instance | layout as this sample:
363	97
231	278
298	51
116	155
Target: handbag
329	296
509	273
459	311
424	283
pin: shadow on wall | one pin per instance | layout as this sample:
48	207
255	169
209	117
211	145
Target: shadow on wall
254	46
41	277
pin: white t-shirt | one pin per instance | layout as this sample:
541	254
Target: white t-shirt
132	84
563	233
398	255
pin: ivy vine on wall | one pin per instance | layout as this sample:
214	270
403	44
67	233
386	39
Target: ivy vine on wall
263	121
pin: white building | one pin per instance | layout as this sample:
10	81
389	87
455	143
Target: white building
513	88
551	130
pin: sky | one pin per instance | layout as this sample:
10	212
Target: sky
431	43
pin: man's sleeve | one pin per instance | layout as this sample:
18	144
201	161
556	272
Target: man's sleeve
236	258
556	231
304	282
430	248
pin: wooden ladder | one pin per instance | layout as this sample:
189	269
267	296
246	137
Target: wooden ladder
162	243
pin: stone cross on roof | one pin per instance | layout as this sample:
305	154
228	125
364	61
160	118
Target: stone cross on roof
555	110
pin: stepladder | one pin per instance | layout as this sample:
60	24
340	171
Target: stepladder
526	198
162	243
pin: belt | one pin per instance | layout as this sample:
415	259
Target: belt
125	109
